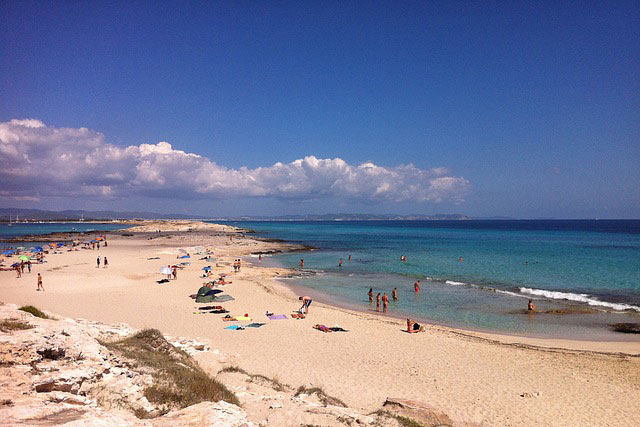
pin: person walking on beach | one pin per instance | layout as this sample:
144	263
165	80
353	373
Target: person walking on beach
370	295
417	286
106	262
378	302
21	266
175	272
385	302
18	271
29	266
306	302
394	294
40	287
98	262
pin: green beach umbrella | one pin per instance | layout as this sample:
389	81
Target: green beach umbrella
24	258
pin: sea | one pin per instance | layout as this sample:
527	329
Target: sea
18	229
582	275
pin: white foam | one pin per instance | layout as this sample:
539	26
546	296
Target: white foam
585	298
513	294
452	283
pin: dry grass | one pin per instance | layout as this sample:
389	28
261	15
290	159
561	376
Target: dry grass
272	382
178	380
404	421
322	396
13	325
35	311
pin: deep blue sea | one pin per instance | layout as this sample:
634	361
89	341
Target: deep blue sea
476	274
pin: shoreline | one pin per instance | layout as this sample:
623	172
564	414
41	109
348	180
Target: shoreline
490	380
282	246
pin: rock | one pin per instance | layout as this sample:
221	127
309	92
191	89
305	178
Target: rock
420	412
205	414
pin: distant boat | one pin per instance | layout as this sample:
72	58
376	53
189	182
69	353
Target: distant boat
9	224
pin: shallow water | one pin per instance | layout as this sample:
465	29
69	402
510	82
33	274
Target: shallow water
588	265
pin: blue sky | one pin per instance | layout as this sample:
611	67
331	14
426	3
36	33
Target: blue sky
533	108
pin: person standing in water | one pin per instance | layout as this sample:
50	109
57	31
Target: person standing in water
394	294
301	262
378	302
385	302
417	286
370	295
340	262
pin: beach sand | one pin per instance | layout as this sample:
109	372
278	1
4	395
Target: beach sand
474	377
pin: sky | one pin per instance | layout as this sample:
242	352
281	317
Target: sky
519	109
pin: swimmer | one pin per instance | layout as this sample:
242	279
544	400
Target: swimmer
416	286
378	302
385	302
370	295
394	294
531	306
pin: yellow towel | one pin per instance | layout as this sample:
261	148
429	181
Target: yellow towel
243	319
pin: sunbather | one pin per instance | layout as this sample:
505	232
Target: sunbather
414	327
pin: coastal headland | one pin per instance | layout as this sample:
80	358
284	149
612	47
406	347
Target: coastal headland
475	378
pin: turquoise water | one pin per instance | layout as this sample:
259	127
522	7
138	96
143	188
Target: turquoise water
23	229
568	265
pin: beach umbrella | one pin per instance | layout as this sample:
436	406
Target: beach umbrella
37	249
207	268
15	264
9	252
24	257
165	270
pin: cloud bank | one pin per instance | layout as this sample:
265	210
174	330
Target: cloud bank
37	160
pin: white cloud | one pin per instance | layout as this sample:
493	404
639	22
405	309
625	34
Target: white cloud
38	160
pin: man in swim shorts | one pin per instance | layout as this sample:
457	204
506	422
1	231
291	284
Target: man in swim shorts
306	302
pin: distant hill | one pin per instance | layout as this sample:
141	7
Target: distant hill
39	215
350	217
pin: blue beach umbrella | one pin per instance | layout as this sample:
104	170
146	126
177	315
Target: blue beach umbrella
38	249
9	252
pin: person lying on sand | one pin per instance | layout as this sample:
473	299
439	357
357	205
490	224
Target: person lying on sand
414	327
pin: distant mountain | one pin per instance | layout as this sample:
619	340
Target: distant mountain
37	214
350	217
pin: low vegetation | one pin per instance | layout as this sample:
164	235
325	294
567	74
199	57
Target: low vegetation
35	311
322	396
178	380
272	382
405	421
8	325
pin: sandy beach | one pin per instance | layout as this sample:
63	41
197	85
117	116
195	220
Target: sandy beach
476	378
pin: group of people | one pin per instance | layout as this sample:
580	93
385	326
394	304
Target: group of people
237	263
384	299
105	262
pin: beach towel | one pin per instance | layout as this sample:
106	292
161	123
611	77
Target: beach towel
223	298
243	318
277	316
228	318
210	307
184	256
221	311
255	325
235	327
